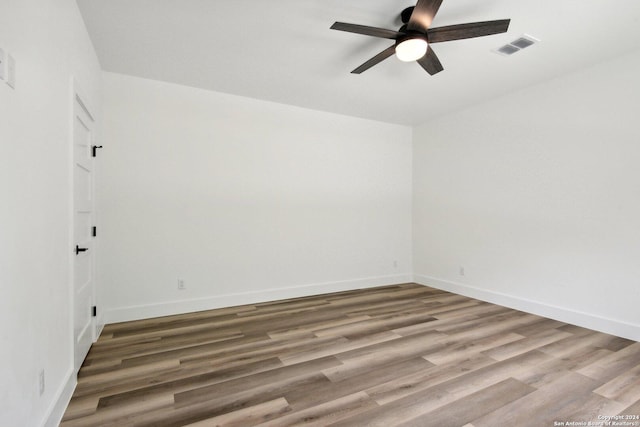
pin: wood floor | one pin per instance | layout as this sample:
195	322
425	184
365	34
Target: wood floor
397	355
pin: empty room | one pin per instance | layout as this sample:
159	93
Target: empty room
348	213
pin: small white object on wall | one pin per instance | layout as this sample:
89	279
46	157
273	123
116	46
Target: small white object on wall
2	65
11	71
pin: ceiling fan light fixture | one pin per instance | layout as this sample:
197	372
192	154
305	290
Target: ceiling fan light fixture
411	49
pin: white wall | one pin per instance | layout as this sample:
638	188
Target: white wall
245	200
49	43
537	196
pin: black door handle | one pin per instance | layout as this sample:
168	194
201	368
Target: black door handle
79	249
93	149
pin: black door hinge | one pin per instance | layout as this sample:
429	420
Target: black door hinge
94	231
94	148
94	311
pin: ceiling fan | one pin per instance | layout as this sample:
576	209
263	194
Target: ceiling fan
413	39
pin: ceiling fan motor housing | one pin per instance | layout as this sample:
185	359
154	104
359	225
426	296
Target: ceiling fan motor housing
411	35
406	14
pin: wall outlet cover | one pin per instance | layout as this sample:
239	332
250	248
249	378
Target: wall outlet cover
41	382
3	65
11	71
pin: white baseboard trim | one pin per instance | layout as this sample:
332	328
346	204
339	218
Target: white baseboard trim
562	314
124	314
61	401
99	326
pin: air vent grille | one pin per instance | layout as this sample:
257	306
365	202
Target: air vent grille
522	42
507	49
517	45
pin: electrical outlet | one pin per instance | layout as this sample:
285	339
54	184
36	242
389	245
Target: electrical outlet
3	65
41	382
395	264
11	71
461	271
181	285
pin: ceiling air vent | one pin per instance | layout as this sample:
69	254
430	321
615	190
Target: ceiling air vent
517	45
507	49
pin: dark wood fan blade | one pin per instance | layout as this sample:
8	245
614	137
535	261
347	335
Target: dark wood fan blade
376	59
367	31
467	31
430	62
423	14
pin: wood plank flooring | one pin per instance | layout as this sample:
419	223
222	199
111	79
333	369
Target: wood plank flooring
404	355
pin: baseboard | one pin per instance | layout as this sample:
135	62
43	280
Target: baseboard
562	314
99	326
61	401
123	314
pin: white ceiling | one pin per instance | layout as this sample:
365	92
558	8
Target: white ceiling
283	50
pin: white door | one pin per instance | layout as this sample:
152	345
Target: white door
83	231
